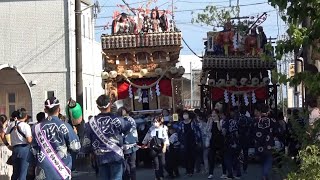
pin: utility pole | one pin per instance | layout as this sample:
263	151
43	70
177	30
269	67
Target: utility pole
172	10
191	86
78	38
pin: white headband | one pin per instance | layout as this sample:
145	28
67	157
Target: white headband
51	105
104	107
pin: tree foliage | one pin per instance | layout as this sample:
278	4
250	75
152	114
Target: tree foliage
214	16
309	155
295	13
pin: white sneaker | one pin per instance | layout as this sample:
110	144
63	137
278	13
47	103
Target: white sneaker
223	176
210	176
237	177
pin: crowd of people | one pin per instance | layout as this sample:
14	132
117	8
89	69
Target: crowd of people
197	141
142	23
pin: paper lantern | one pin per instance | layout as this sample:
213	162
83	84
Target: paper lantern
128	73
113	74
244	81
158	71
265	81
211	82
173	70
221	82
143	72
104	75
203	80
233	82
181	70
254	81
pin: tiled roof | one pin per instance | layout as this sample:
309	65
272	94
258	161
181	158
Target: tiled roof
234	62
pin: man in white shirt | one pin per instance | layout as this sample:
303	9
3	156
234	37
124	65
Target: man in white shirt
21	137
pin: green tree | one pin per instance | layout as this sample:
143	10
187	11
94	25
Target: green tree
214	16
283	104
295	13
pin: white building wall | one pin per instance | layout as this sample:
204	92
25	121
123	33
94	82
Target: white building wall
33	38
38	38
91	59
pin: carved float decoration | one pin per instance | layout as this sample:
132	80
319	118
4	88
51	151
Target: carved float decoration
140	56
234	71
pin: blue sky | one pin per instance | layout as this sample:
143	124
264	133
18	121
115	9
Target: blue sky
194	33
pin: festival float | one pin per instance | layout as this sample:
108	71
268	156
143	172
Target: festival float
237	67
140	57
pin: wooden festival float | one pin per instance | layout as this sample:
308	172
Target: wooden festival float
140	59
237	68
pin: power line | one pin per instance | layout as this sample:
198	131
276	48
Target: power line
190	48
222	7
204	2
127	3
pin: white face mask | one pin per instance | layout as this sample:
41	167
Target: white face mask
186	116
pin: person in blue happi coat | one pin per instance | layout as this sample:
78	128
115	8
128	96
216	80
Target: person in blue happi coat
60	138
104	138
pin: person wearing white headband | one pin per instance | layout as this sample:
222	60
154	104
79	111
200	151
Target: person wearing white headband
53	141
104	137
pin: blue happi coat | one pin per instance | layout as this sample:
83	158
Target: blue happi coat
113	128
62	138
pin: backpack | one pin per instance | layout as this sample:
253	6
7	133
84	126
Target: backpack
16	126
156	144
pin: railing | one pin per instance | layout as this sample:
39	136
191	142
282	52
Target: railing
141	40
237	63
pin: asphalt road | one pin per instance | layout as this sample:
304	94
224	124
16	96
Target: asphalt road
148	174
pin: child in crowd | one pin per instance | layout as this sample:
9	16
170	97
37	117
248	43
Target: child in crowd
173	153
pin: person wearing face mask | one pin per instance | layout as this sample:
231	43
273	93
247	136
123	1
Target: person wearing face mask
190	139
157	140
231	145
202	152
215	139
129	146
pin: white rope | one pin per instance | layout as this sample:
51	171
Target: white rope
146	87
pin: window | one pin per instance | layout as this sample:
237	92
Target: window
12	97
50	94
11	102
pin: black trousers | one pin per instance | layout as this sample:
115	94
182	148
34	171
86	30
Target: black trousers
212	159
245	150
172	162
189	160
130	166
158	164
